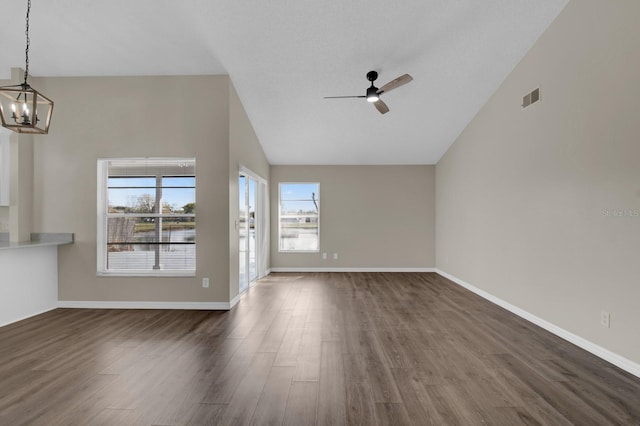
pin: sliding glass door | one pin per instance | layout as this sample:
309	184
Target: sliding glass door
249	227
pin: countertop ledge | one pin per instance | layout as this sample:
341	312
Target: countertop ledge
38	239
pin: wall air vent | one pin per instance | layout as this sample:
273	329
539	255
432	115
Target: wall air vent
531	98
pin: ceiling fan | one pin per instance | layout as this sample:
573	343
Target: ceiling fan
373	93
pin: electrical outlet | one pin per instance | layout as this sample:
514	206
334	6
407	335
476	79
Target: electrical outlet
324	256
205	283
605	319
335	256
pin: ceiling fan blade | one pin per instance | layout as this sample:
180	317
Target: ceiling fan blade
343	97
381	107
393	84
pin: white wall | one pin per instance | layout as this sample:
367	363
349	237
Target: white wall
28	282
541	207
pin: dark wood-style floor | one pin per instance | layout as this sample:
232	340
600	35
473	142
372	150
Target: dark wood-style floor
303	349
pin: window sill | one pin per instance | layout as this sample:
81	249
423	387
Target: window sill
143	274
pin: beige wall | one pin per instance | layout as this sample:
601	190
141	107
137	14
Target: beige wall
527	199
372	216
99	117
244	150
4	219
21	187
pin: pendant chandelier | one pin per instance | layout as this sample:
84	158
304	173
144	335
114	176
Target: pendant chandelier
22	108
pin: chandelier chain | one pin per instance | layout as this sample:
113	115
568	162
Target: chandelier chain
26	50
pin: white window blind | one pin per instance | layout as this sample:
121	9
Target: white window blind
147	216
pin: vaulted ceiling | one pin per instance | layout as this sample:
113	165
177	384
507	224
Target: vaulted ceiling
284	56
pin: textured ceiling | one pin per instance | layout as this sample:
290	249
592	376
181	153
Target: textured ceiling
284	56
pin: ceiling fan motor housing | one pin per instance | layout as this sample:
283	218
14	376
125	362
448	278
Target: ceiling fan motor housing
372	93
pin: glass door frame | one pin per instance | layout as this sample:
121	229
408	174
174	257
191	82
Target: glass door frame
259	221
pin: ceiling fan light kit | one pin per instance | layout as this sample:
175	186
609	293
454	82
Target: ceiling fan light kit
22	108
373	93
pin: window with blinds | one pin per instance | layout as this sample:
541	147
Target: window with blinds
147	216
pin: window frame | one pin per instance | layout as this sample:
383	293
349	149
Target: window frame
103	216
280	249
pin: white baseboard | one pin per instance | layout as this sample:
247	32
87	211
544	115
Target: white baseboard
234	301
615	359
208	306
366	269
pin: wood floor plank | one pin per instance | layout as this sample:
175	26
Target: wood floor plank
47	398
332	396
377	365
309	349
289	347
593	384
207	415
274	335
513	416
246	396
92	404
544	413
360	405
389	413
109	417
355	368
273	399
308	362
568	404
448	407
301	404
416	399
222	388
390	345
